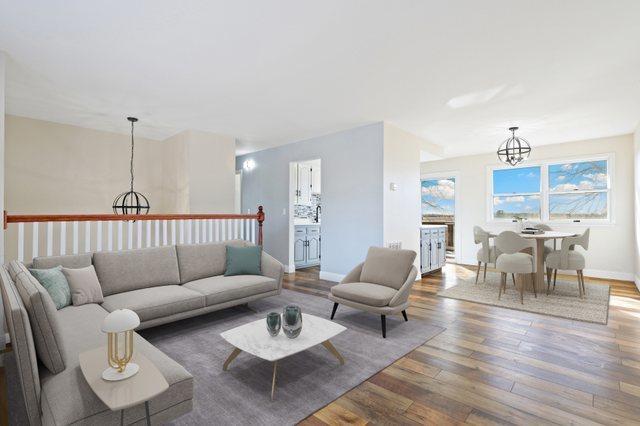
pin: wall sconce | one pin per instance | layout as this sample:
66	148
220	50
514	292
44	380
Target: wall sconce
249	165
120	322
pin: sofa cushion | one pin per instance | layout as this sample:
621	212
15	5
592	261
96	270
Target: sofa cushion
156	302
23	346
67	398
42	314
198	261
54	281
243	261
120	271
67	261
220	289
365	293
388	267
84	285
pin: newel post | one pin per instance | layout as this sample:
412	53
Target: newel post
260	220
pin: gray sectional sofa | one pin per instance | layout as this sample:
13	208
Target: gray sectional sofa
161	285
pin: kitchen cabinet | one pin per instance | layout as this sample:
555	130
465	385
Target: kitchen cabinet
307	246
432	247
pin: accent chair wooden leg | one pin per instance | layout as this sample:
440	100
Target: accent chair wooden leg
384	326
404	314
484	277
335	308
503	280
478	272
513	277
584	288
532	278
555	276
548	280
522	281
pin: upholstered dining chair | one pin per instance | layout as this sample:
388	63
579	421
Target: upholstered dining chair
380	285
567	258
513	261
486	253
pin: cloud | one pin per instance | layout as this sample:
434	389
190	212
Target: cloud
597	177
561	178
444	190
565	187
586	184
512	199
566	167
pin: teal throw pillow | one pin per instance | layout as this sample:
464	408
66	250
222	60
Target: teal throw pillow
54	281
243	261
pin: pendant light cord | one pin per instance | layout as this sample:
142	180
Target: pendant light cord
131	166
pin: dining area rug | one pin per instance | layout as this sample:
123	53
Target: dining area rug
563	302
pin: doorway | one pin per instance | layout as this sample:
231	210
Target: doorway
305	215
438	194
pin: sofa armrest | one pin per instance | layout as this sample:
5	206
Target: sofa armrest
354	275
403	293
272	268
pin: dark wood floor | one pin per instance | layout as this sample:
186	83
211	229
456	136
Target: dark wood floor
499	366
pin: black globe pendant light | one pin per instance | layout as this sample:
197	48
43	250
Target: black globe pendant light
514	150
131	202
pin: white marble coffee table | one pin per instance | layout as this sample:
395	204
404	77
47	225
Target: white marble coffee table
254	338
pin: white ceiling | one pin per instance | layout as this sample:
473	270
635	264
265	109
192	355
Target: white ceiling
457	73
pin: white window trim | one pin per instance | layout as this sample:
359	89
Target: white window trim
544	189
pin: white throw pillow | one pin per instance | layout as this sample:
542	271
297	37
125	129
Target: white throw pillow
84	285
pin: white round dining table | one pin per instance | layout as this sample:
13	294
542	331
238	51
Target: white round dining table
539	251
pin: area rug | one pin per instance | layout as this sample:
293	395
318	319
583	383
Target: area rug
306	381
563	302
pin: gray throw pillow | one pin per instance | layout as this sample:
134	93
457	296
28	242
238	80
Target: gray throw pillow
243	261
54	281
84	285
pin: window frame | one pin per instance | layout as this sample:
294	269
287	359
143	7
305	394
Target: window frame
545	191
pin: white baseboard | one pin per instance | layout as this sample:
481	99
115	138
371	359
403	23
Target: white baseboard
637	281
331	276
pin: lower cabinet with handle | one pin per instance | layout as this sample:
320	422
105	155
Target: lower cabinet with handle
433	246
307	246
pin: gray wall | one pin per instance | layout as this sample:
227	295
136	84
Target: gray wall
351	194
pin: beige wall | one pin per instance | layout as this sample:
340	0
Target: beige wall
636	198
57	168
612	247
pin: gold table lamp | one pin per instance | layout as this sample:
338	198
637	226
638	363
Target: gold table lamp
119	326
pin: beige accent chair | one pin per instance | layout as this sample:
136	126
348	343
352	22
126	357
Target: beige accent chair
513	261
487	253
568	258
380	285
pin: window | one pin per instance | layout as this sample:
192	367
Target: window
574	191
516	193
578	190
438	200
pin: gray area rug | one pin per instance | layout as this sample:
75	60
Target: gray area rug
306	381
563	302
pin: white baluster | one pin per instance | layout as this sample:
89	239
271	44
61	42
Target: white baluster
173	232
49	238
75	237
203	237
20	242
157	229
99	236
34	240
197	232
241	225
253	231
189	231
139	236
216	231
181	231
120	235
148	233
129	235
109	236
223	228
210	230
63	238
236	231
164	232
87	237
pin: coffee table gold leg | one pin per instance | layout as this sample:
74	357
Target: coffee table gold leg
327	344
233	356
273	381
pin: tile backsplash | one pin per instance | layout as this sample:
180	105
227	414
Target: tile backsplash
307	212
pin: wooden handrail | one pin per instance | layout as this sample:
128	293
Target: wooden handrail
31	218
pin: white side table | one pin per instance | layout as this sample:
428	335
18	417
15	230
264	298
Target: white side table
144	386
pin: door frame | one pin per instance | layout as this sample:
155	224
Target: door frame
457	235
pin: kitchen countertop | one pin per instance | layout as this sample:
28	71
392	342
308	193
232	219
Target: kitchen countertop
302	222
